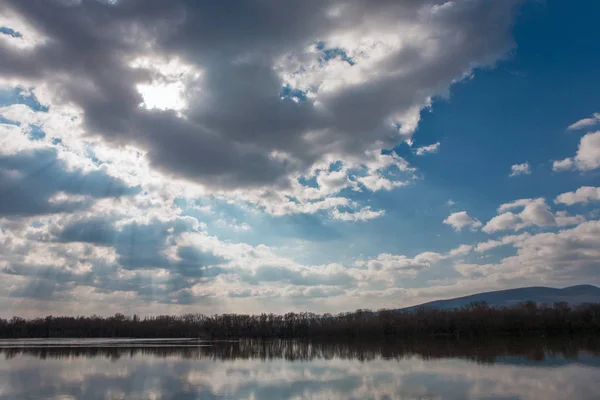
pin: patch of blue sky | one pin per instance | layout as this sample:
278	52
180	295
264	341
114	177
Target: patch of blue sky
7	121
292	199
328	53
89	152
311	181
21	96
520	117
10	32
336	166
287	92
264	228
316	238
36	133
308	181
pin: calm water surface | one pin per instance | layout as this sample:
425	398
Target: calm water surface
183	369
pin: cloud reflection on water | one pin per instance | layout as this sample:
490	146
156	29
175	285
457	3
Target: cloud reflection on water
283	370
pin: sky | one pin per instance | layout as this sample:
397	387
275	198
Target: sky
266	156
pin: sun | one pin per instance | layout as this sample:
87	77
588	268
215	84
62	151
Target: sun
163	96
172	80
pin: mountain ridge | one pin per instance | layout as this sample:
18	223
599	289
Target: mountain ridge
574	295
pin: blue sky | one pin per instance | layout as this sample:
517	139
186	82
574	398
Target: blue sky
365	154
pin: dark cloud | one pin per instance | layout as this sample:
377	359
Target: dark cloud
43	289
29	179
236	120
98	231
196	263
56	282
141	246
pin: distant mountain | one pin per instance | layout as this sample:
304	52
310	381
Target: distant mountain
573	295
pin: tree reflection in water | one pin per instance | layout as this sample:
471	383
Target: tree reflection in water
550	369
487	351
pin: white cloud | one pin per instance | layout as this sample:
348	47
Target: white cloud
363	214
505	240
375	183
392	266
520	169
562	256
587	157
501	222
462	219
588	154
432	148
585	122
535	212
564	219
584	194
461	250
518	204
566	164
331	182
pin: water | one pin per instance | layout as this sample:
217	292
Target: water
189	369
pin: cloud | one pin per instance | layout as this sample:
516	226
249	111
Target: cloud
587	157
173	261
518	204
520	169
535	212
38	182
567	256
432	148
460	220
301	86
176	262
502	222
145	245
482	247
461	250
364	214
298	277
296	116
584	194
563	165
588	154
398	265
97	256
585	123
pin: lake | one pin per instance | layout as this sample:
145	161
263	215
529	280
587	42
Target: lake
191	369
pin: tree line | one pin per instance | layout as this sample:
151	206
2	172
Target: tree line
475	320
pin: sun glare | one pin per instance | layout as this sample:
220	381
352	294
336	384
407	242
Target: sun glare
172	79
169	96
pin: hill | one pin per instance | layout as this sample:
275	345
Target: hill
573	295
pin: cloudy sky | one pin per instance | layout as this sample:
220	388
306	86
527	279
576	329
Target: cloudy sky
322	155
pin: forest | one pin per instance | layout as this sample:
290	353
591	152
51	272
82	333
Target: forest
474	320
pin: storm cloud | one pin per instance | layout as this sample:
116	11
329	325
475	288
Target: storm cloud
269	88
